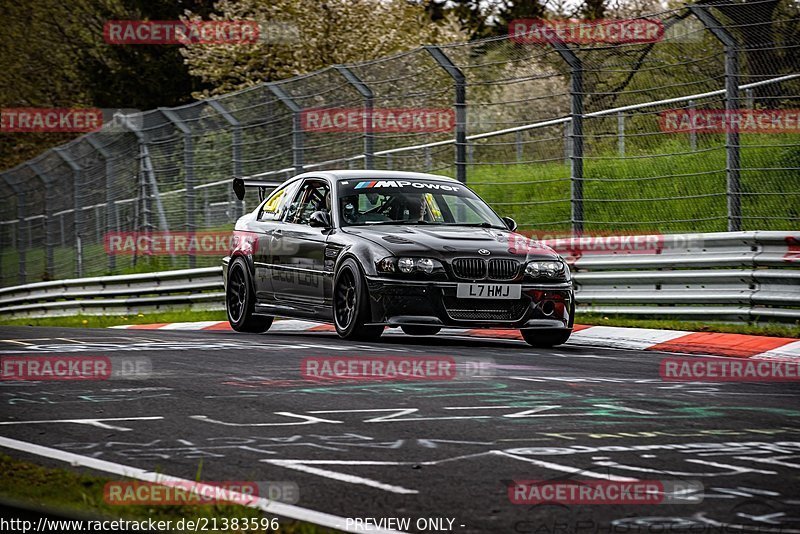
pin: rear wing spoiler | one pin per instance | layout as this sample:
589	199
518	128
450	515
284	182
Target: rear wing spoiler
240	186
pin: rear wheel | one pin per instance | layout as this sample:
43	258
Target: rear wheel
240	300
415	330
351	304
545	338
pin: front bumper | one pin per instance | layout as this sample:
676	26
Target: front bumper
396	302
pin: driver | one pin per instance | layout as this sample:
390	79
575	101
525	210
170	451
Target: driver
350	209
416	207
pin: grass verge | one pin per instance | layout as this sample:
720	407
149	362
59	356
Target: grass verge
75	494
105	321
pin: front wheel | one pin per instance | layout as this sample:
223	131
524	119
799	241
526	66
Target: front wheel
351	304
414	330
544	338
240	300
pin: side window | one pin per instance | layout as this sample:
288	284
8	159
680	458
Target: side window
271	210
313	196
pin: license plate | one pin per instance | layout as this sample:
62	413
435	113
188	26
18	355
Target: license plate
489	291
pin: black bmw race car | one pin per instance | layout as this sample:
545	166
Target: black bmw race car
369	249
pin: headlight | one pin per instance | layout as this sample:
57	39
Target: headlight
547	269
387	265
409	265
425	265
406	265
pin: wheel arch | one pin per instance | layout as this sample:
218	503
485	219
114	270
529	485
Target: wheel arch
248	259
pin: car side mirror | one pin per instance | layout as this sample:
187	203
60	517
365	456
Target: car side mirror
511	224
320	219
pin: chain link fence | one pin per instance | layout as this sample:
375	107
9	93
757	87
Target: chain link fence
563	136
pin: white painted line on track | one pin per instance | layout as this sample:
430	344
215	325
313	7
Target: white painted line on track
566	468
198	325
300	465
99	423
271	507
293	325
15	342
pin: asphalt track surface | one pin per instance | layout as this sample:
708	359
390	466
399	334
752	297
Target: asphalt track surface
238	405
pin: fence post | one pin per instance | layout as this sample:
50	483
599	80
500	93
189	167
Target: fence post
732	164
576	132
621	134
111	205
369	104
236	147
567	142
692	131
518	139
49	225
461	108
18	242
188	173
297	126
77	201
146	169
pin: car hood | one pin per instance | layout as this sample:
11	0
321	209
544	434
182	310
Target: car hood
444	242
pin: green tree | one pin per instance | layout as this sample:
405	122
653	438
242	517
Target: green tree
486	18
54	55
300	36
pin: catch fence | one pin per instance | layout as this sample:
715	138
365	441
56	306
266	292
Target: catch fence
562	136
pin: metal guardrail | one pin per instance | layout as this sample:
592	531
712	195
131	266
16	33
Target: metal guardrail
196	289
734	276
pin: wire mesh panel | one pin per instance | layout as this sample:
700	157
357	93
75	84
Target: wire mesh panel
691	128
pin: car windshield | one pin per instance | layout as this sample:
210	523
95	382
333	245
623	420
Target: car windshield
401	201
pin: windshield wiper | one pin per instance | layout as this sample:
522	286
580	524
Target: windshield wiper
397	222
479	225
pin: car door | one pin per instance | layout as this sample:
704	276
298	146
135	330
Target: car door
298	250
268	219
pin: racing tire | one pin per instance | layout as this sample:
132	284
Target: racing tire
543	338
351	304
416	330
240	300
